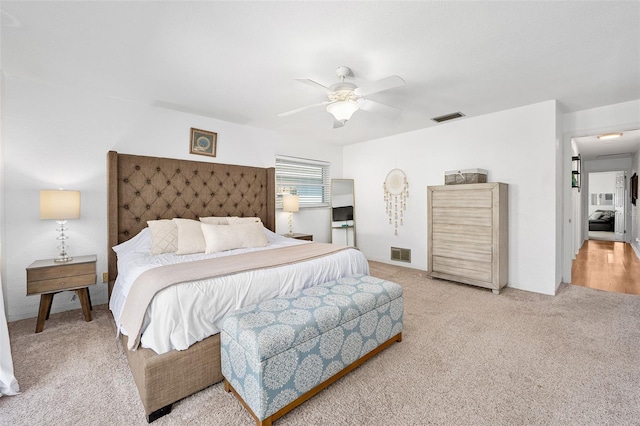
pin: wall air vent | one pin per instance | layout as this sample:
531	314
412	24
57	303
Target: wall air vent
448	117
401	254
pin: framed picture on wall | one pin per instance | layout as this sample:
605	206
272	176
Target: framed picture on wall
203	142
634	188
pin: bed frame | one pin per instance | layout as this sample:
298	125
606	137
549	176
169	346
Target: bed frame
149	188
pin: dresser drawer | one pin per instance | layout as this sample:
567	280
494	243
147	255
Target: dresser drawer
480	271
462	199
469	217
57	284
462	250
462	233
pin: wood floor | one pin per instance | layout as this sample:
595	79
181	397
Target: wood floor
607	265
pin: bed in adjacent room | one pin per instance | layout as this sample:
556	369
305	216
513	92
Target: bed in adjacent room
171	325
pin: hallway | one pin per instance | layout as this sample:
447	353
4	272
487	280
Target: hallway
607	265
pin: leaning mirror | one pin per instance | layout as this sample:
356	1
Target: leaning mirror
342	212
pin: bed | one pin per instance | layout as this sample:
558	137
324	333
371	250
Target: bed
142	189
602	220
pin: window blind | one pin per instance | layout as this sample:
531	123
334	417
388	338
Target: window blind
309	179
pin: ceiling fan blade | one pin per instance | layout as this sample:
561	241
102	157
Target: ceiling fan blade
378	108
380	85
285	114
316	85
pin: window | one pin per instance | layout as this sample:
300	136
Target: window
309	179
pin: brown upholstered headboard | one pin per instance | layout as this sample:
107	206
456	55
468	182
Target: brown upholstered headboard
149	188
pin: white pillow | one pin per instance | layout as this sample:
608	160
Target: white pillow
141	242
164	236
229	237
214	220
190	238
235	220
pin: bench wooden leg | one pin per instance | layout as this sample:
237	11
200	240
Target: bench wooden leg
152	417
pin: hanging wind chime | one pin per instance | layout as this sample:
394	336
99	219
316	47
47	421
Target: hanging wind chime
396	192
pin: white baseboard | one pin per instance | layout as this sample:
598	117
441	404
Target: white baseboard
636	249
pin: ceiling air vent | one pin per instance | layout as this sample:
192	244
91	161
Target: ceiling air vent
448	117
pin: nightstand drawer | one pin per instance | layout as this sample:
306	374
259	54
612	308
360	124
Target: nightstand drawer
298	236
52	272
62	283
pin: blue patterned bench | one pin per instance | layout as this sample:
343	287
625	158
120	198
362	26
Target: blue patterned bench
281	352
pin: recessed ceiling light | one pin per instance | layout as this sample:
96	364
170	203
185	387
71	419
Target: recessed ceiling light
606	136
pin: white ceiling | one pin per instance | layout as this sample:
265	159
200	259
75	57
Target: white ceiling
592	148
238	61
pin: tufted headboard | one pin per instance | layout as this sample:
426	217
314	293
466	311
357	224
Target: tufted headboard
148	188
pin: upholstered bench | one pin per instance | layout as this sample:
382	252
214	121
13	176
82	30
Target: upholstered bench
281	352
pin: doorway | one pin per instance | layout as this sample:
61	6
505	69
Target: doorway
606	206
607	258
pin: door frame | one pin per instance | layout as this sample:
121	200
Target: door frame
569	228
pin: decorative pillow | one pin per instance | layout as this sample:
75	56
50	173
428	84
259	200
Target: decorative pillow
235	220
164	236
596	215
215	220
244	235
190	238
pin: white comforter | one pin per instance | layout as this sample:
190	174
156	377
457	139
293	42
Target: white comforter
184	314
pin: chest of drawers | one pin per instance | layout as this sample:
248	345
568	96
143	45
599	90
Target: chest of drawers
468	234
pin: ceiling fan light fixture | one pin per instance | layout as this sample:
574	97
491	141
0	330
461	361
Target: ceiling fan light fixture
607	136
342	110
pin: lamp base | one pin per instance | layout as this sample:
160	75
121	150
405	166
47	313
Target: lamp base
290	223
62	254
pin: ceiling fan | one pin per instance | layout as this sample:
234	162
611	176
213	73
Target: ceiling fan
346	98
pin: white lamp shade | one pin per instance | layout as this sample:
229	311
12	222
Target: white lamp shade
290	203
342	110
59	204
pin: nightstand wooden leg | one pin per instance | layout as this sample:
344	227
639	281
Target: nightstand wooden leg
49	305
89	298
43	311
83	294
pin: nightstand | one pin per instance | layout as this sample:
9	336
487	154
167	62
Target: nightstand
48	277
306	237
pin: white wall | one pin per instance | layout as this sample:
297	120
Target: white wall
601	183
517	146
53	137
617	117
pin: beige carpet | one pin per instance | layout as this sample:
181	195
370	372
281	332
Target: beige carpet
468	357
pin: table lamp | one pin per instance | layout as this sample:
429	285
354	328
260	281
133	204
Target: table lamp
60	205
290	204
